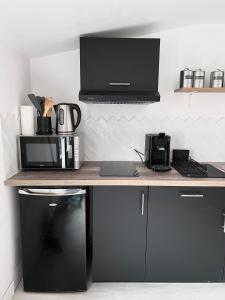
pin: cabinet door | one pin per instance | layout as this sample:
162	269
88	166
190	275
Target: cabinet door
119	233
186	241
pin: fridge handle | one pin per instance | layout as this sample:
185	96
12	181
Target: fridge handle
52	192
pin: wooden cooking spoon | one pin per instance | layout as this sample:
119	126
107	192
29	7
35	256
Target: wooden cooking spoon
48	106
49	113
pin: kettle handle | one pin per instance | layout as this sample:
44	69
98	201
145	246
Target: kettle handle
77	108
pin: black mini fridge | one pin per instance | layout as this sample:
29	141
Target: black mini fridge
54	239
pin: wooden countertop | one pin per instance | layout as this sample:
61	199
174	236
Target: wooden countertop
88	175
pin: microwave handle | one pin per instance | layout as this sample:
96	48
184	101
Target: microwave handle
63	153
70	152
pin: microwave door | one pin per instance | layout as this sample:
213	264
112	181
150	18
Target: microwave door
42	152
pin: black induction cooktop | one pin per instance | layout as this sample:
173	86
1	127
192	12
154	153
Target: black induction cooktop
118	169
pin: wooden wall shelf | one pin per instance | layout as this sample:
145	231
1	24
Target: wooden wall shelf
200	90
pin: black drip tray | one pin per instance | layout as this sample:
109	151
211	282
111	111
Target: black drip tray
191	168
118	169
213	172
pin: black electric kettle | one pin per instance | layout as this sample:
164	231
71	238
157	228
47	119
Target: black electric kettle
65	119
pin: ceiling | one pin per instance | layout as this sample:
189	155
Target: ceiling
43	27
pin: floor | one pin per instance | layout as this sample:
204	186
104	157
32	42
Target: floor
137	291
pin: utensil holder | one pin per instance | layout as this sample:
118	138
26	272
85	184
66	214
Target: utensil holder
44	125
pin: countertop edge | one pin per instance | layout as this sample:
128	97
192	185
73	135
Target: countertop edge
88	175
167	183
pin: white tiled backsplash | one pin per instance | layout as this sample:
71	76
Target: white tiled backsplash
10	125
114	138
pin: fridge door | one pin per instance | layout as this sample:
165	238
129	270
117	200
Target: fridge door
53	239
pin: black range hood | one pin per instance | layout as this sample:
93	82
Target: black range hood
119	70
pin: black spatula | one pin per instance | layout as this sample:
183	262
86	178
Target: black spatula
36	103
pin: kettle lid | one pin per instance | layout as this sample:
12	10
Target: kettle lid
58	106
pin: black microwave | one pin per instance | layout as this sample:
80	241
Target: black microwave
50	152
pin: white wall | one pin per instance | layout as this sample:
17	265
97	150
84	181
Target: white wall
195	122
14	85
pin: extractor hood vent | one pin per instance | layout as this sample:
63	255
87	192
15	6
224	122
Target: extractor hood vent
119	97
118	70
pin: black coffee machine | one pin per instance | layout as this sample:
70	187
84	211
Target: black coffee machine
157	152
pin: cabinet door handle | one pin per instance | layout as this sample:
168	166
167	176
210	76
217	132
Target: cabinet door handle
53	204
223	223
142	204
119	83
192	195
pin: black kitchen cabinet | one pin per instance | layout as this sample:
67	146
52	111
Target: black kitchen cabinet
119	233
185	237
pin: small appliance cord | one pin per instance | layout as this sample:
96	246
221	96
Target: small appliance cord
140	154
